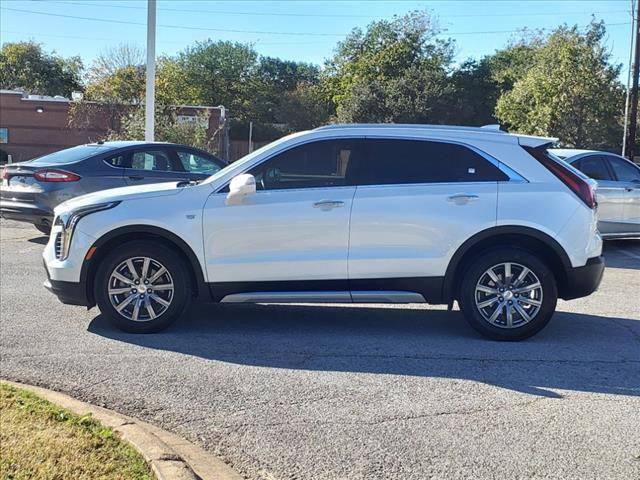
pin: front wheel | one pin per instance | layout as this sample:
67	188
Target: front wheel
46	229
142	287
508	294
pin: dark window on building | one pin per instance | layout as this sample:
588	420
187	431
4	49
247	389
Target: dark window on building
325	163
418	161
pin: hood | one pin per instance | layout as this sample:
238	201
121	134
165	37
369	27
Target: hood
121	194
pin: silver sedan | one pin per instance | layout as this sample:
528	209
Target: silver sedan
618	191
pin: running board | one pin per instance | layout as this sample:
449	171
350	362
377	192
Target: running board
373	296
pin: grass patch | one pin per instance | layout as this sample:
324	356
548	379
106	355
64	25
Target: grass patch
39	440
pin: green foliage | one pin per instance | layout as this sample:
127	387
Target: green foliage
395	71
167	128
569	90
125	85
25	66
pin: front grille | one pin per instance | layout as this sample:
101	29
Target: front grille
58	245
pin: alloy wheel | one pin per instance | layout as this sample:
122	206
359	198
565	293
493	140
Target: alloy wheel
508	295
140	289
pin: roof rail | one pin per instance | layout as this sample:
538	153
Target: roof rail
417	126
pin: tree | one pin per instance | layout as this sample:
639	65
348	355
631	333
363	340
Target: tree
25	66
394	71
167	129
111	60
570	91
303	108
219	73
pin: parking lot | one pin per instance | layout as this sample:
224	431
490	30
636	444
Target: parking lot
313	392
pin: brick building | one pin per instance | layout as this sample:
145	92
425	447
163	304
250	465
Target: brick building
34	125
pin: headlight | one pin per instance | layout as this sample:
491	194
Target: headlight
69	220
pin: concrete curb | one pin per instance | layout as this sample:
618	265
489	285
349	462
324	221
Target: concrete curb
170	456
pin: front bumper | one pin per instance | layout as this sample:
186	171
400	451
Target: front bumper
69	293
26	212
583	281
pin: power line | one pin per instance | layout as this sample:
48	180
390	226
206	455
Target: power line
327	15
183	27
258	32
112	39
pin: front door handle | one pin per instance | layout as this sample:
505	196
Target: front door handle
328	204
462	198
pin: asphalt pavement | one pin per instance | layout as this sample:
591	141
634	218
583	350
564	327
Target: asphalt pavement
343	392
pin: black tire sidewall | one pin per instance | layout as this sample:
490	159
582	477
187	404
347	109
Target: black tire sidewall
164	255
43	229
514	255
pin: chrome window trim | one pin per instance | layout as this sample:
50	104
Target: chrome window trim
514	177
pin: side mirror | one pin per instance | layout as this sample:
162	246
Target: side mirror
240	187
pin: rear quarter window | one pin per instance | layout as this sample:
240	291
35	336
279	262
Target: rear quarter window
397	161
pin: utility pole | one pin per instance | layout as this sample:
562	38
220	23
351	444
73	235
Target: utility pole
633	110
150	101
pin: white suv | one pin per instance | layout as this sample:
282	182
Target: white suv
345	214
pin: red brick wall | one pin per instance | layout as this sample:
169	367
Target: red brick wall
32	134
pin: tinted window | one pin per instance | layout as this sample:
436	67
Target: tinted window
117	161
417	161
70	155
194	163
154	160
317	164
593	167
625	171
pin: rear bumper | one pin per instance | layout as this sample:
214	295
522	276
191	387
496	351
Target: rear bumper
25	212
70	293
583	281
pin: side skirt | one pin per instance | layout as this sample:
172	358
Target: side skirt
383	290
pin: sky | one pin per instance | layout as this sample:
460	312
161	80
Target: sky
294	30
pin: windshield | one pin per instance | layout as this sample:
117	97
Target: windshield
70	155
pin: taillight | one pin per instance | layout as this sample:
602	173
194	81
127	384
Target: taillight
55	175
578	185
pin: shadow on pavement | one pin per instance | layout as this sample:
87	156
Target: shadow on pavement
622	254
577	352
41	240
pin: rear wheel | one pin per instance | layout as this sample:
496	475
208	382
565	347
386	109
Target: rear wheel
142	287
508	294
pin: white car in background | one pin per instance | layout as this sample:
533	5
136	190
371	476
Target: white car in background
343	214
618	191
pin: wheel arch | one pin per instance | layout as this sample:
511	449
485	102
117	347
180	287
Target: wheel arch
142	232
528	238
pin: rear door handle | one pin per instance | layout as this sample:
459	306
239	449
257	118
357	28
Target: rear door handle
463	198
136	177
328	204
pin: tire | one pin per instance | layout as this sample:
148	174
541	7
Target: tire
46	229
531	307
157	308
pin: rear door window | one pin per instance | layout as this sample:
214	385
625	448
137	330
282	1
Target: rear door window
594	166
154	161
118	161
397	161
